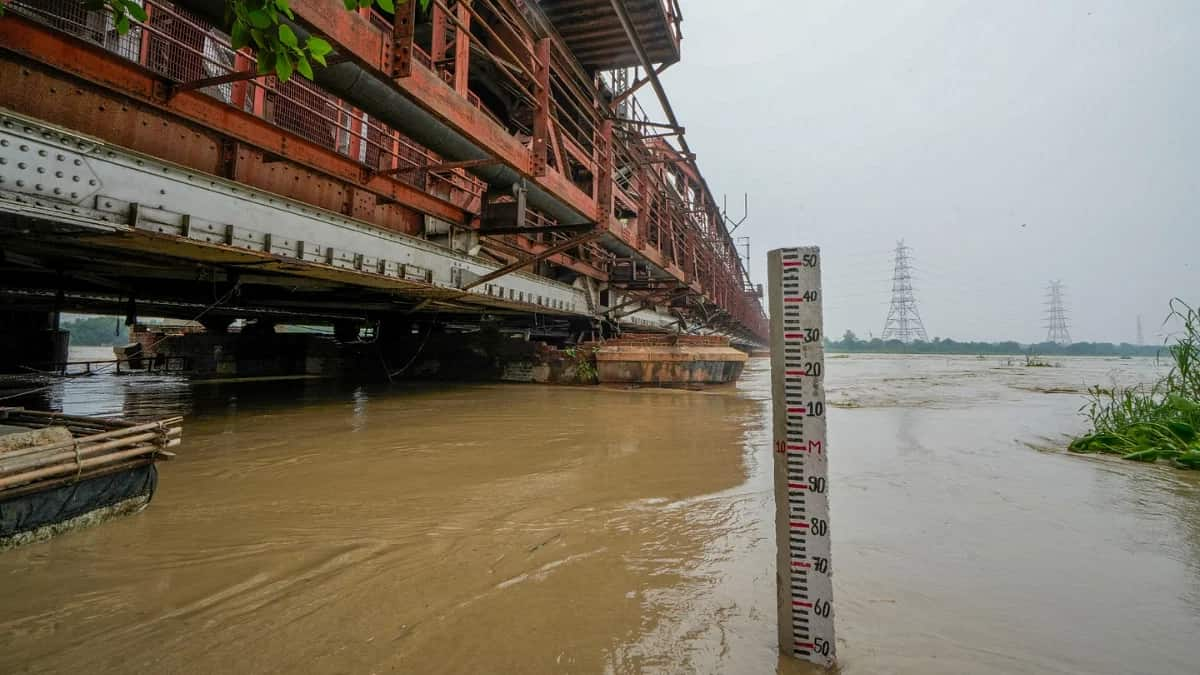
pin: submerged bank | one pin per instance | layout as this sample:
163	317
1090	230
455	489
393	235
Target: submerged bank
519	527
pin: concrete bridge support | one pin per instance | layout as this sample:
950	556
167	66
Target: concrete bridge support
31	340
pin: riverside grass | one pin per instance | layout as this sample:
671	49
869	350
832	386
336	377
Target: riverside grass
1159	422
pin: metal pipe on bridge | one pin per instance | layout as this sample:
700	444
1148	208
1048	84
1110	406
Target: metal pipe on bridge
368	92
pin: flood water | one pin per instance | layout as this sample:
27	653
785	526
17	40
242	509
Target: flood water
312	527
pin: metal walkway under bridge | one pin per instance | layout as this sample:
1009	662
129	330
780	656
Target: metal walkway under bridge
468	159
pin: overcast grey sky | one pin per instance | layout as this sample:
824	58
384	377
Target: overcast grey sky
1009	143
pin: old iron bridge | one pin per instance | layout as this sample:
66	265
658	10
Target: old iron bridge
473	158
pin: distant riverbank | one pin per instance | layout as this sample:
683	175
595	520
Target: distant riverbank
850	344
96	331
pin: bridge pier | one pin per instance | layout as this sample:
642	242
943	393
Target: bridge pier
31	340
426	350
400	347
669	360
256	351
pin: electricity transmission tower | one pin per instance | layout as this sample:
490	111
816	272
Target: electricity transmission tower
1141	338
1056	315
903	321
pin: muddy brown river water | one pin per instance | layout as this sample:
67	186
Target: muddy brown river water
311	527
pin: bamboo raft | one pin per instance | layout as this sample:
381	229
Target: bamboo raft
62	471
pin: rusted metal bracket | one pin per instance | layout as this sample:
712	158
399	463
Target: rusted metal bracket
541	229
666	149
646	137
505	213
403	28
660	125
619	98
674	291
670	297
176	88
672	159
604	173
541	113
540	255
444	166
228	158
514	266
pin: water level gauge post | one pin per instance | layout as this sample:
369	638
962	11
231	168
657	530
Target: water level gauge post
804	570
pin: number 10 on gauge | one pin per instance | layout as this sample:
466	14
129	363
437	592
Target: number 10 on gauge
804	573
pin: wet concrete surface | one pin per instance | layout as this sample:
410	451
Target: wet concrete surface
313	527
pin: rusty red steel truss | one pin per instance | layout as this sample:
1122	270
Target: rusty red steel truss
485	68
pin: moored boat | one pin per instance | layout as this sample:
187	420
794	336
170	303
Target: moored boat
60	472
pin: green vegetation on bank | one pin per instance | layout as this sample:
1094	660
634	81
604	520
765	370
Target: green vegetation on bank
850	343
96	331
1151	423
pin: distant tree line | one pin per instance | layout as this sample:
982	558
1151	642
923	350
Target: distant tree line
850	343
93	331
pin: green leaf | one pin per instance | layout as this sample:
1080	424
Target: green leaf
351	5
266	62
387	6
260	40
318	47
283	68
136	11
283	6
303	66
259	18
286	36
239	34
123	24
319	58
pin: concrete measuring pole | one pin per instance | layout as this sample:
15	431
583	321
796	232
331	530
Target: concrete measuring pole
804	572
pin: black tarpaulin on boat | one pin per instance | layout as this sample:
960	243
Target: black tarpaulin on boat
56	505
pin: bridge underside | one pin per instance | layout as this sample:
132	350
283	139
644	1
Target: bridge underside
92	227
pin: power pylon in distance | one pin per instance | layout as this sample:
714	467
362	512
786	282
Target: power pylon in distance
1056	315
903	320
1141	339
